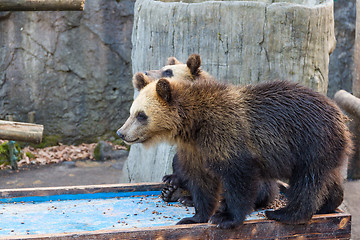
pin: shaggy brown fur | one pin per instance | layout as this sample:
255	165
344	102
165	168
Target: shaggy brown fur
176	182
231	138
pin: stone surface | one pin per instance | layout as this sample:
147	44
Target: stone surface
341	60
106	152
352	193
240	42
72	68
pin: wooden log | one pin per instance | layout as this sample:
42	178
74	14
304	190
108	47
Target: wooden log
240	42
348	102
86	189
354	162
356	71
18	131
351	104
42	5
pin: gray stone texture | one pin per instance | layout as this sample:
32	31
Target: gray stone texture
106	152
341	60
72	68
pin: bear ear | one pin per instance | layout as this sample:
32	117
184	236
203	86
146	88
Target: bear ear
172	61
140	81
163	89
193	63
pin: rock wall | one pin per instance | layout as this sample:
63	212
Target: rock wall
72	68
341	60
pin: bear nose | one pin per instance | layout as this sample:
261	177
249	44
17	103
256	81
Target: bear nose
120	134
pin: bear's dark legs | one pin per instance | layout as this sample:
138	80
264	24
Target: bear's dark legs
304	197
335	196
267	191
240	183
222	214
175	188
204	191
239	201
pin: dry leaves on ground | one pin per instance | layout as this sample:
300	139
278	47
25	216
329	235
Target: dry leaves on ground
56	154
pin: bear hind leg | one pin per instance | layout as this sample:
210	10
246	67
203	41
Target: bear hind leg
240	186
304	197
221	214
204	191
334	197
267	192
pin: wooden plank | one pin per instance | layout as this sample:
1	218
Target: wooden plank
104	188
331	226
18	131
42	5
326	226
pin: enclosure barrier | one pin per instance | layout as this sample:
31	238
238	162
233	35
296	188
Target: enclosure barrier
42	5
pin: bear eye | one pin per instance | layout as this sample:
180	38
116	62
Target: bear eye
167	73
141	117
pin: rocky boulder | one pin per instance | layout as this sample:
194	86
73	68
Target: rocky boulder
72	68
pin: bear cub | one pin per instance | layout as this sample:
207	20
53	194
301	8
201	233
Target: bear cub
231	138
175	188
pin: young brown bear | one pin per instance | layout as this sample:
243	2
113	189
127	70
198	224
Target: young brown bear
190	71
175	188
229	138
176	183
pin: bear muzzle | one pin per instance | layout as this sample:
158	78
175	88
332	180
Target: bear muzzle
124	137
153	74
120	134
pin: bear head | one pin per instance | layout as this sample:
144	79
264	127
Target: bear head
190	71
152	116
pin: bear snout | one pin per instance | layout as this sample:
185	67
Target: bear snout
120	134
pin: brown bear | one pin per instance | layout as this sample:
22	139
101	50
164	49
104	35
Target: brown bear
190	71
175	188
229	138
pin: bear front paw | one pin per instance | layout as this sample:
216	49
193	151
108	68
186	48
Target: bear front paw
285	216
228	224
220	217
186	201
190	220
172	179
167	193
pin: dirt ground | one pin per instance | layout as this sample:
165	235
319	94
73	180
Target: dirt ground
63	174
107	172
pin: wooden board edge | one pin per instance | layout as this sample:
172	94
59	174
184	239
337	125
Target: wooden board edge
329	227
86	189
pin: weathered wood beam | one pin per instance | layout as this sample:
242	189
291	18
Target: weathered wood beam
18	131
42	5
354	126
348	102
351	104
